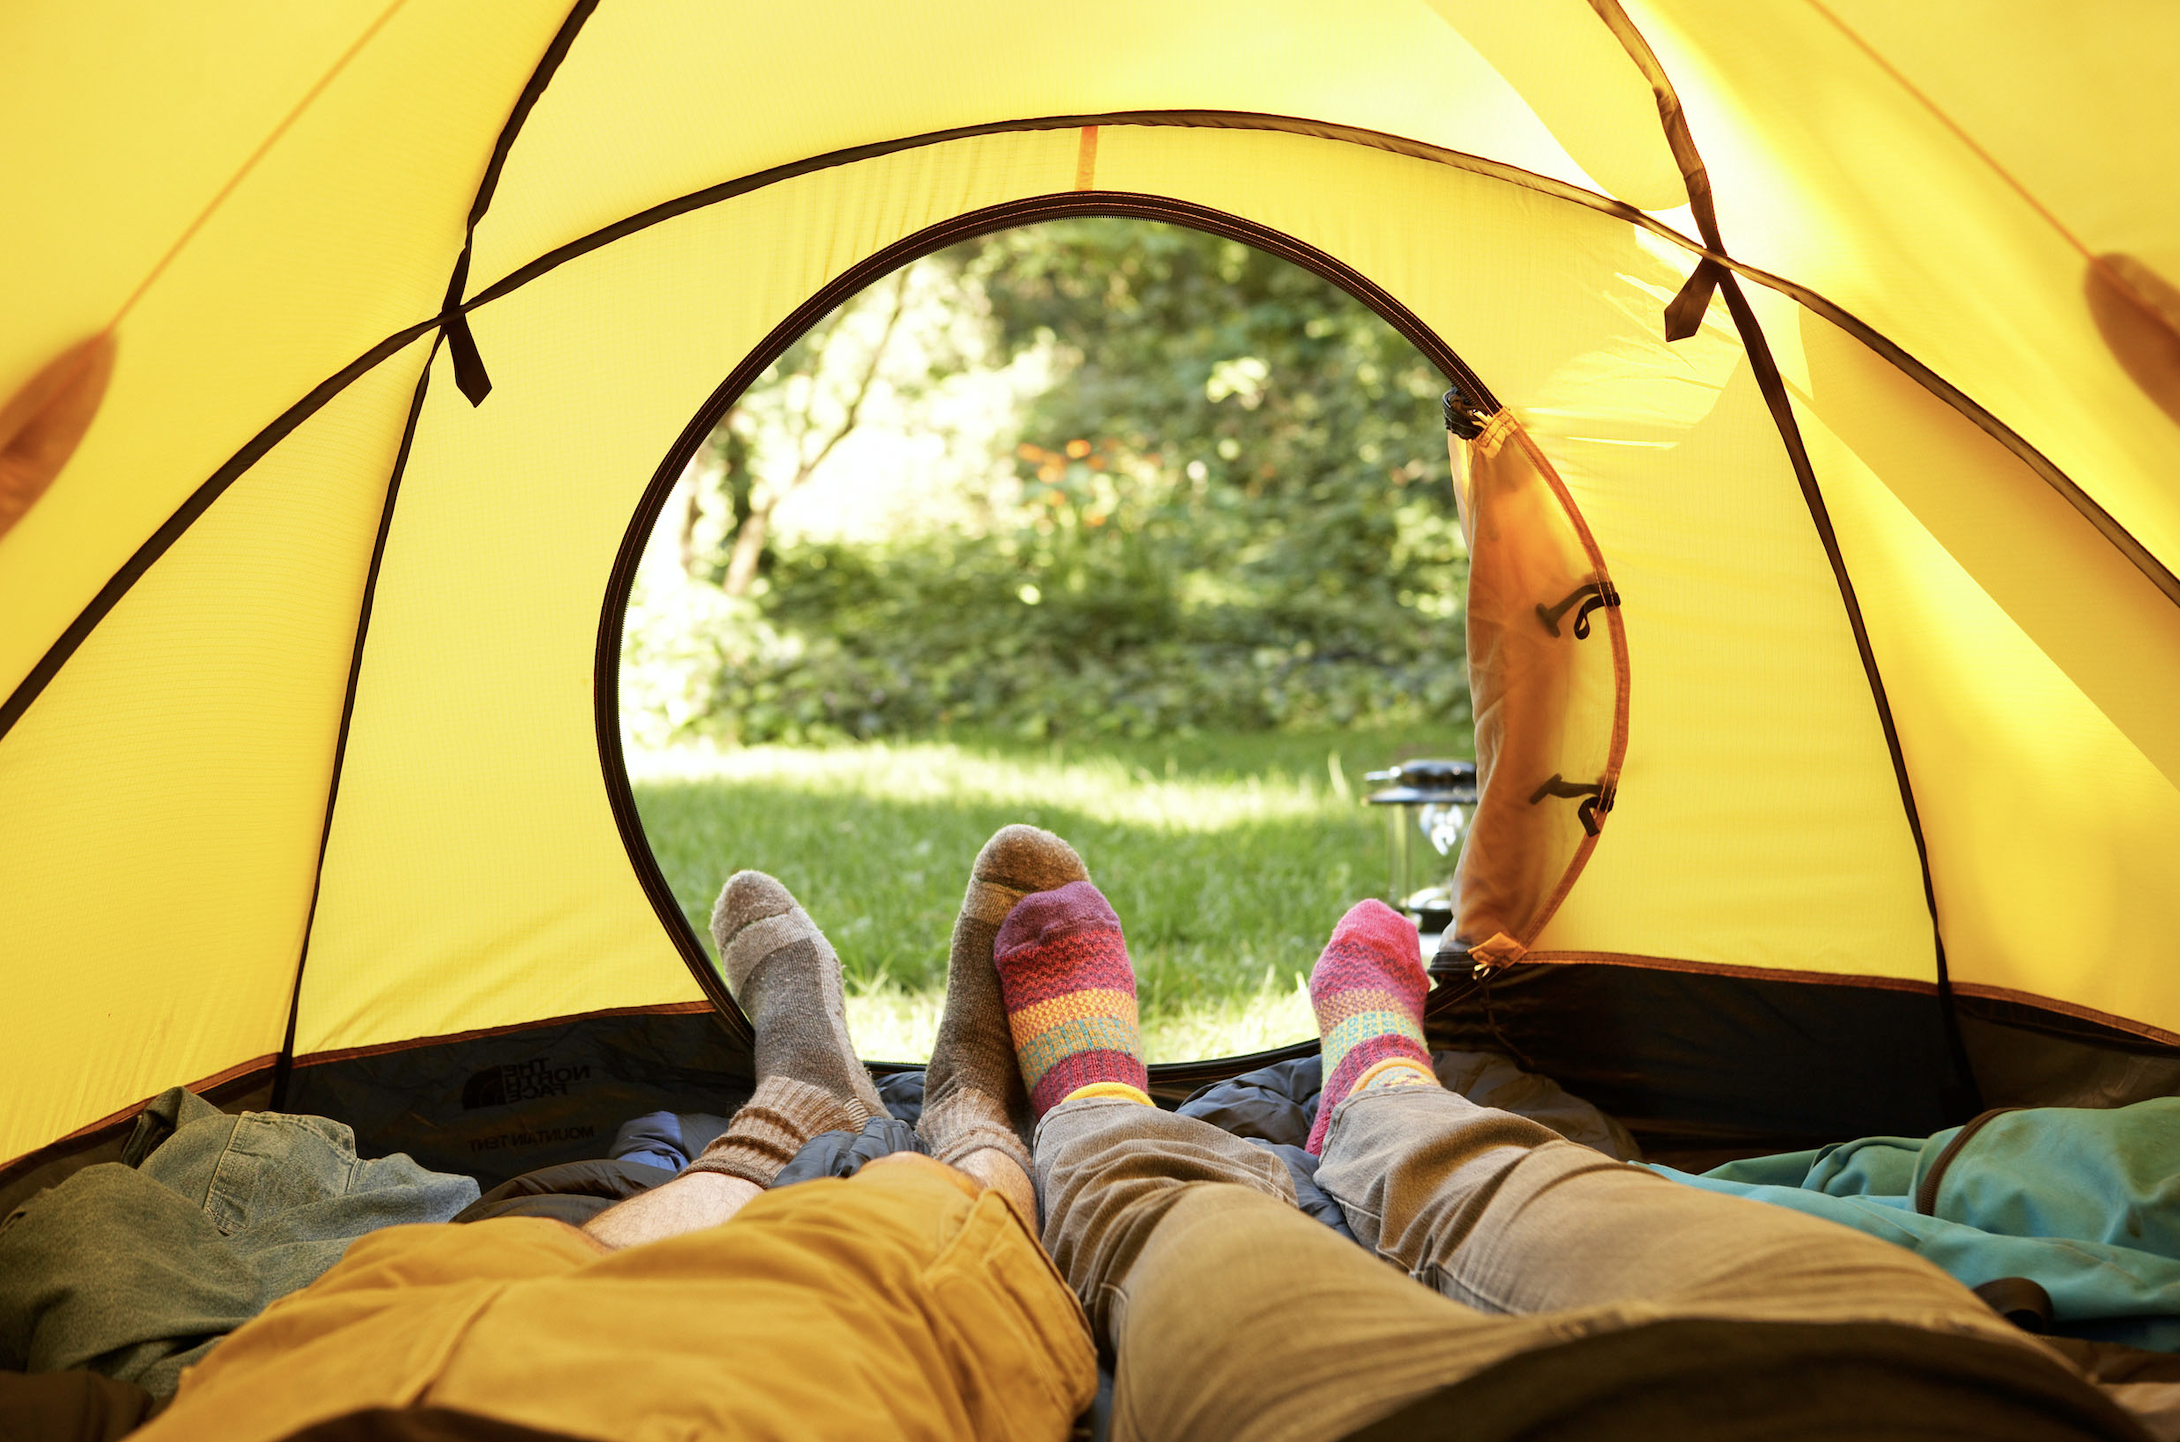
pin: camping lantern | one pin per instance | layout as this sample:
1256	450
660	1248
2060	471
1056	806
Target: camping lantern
1427	807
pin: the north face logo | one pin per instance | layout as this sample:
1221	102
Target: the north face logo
520	1081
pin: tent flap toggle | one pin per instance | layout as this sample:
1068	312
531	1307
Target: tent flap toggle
42	424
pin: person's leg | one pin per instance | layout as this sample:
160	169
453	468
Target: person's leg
1229	1313
786	978
1502	1214
976	1110
904	1302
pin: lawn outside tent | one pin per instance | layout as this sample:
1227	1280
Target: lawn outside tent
1227	857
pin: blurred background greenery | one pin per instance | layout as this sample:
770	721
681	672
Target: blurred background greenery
1138	533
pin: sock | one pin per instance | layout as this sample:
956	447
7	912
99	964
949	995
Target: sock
1070	997
1367	990
779	1118
786	978
973	1093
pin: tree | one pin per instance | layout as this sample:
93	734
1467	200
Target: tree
1228	507
826	377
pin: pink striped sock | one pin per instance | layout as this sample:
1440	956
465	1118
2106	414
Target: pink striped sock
1070	997
1367	990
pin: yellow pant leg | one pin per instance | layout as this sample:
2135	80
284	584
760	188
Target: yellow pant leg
902	1304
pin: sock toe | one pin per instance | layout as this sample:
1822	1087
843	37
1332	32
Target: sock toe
1046	916
786	978
1025	859
748	897
1387	936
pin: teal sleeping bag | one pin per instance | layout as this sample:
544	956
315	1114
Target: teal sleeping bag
2085	1203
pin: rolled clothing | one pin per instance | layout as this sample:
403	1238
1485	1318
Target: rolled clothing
2080	1201
1181	1239
135	1269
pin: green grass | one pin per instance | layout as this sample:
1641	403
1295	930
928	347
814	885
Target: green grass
1228	859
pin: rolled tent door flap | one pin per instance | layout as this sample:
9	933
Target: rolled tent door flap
1548	680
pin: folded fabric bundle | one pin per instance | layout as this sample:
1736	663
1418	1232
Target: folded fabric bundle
2083	1203
135	1269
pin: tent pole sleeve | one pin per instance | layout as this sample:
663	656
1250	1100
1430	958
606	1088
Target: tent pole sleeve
284	1063
1963	1099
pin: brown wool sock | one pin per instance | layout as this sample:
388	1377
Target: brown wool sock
786	978
973	1093
781	1115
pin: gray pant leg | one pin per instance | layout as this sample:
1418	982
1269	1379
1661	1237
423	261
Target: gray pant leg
1232	1315
1503	1215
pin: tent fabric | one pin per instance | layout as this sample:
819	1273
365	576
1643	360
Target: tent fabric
307	733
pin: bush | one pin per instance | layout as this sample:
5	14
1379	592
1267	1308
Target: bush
1228	510
933	634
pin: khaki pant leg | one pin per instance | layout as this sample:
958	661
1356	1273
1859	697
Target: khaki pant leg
1241	1320
1499	1213
1231	1314
374	1331
898	1304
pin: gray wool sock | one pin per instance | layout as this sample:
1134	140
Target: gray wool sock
780	1116
973	1095
785	976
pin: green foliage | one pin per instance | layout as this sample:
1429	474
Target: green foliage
1231	511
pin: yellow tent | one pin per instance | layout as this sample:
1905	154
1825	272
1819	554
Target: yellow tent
350	347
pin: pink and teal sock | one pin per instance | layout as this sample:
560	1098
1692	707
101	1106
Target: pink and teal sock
1070	997
1367	990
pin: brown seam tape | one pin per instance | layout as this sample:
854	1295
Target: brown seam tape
1926	1191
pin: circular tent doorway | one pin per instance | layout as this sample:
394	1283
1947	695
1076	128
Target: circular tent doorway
1329	473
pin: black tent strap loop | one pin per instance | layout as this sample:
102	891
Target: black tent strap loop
1926	1191
1593	596
2020	1300
1597	799
469	372
1684	313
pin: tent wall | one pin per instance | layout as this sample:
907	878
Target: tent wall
734	90
2054	834
166	795
263	268
272	246
511	513
1829	170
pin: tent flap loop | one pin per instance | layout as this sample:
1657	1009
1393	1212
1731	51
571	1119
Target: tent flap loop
469	371
1597	800
1592	595
1684	313
42	424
